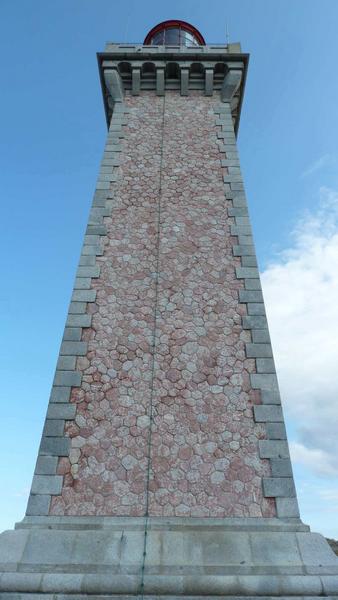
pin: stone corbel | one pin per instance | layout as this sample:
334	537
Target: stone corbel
230	86
135	80
160	81
114	86
209	81
185	79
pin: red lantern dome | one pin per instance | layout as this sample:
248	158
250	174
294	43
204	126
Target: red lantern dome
174	33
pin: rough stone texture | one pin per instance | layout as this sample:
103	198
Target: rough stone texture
166	373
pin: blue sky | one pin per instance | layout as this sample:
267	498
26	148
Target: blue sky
52	136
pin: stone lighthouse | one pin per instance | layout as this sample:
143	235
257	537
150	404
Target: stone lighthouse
164	469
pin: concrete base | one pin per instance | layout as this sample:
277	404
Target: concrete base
72	558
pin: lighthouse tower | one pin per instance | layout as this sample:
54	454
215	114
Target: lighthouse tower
164	468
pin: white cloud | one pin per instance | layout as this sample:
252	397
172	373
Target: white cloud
323	161
23	493
301	294
319	461
331	495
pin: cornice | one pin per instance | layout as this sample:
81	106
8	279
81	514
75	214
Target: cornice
208	69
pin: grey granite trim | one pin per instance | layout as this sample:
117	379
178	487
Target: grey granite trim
264	381
72	334
269	412
53	446
184	71
250	295
74	348
86	261
273	449
160	85
83	320
136	80
260	336
265	365
275	431
91	272
258	350
67	378
61	411
209	81
77	308
66	363
266	412
46	465
53	427
287	507
59	586
53	443
246	524
280	467
47	484
279	487
230	87
38	504
84	296
270	397
60	394
187	558
249	261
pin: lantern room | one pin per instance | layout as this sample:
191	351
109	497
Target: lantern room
174	33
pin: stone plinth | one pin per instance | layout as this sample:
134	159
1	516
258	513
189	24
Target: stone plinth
72	557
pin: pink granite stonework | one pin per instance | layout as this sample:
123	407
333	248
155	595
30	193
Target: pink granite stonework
164	417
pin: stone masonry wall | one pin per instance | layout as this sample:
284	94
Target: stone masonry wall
164	415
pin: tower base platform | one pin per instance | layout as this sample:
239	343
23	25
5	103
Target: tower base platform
73	558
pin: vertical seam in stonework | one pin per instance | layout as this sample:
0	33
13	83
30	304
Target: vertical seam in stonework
151	407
